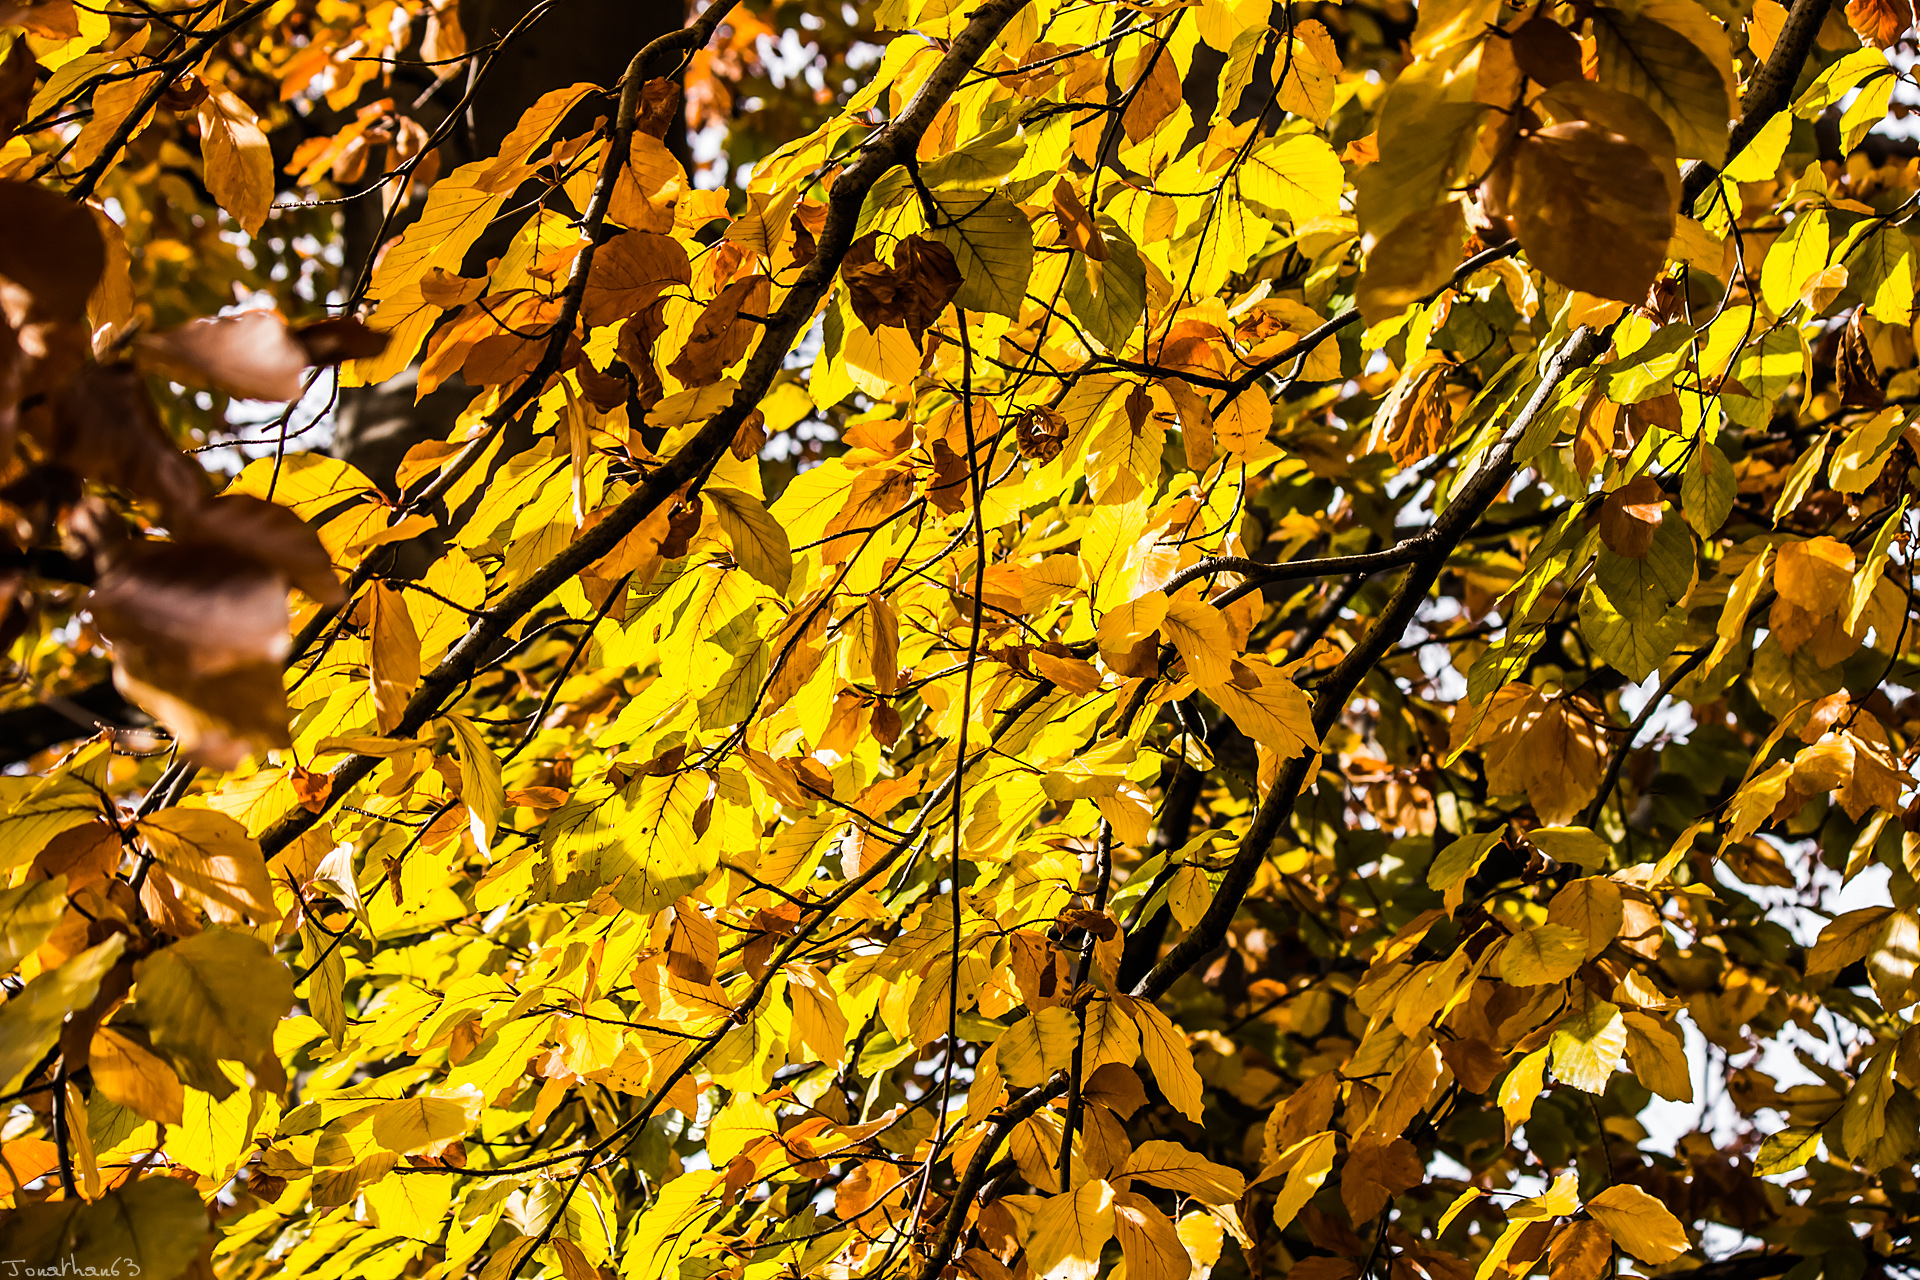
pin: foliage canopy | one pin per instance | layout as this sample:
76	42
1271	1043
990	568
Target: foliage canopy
1191	637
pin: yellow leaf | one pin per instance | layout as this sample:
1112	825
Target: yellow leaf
1037	1046
52	807
402	530
1763	29
30	1021
1658	1057
1167	1056
1267	706
1148	1239
154	1226
212	862
413	1124
239	161
1172	1166
1858	460
1847	938
1188	894
1199	632
1126	625
1297	177
480	786
1454	865
130	1075
212	997
1202	1235
1588	1045
1241	426
1460	1204
1407	1091
759	543
1068	1232
1109	1036
1521	1089
1547	953
1562	1198
1638	1223
1307	1164
1799	254
394	655
28	914
412	1207
1593	906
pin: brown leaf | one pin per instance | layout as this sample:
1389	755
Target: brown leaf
1378	1169
198	608
1879	22
1155	96
311	787
1814	575
239	159
1599	426
1413	259
1631	516
659	103
908	295
1582	1251
86	854
1040	433
1546	51
629	272
217	719
1077	227
250	355
1592	209
17	71
682	524
445	289
1416	420
750	438
338	339
52	250
1117	1087
947	487
49	19
1474	1063
270	535
1859	379
723	332
1657	411
199	633
104	427
1324	1267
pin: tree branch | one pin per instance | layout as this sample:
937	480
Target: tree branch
1473	498
1430	550
27	731
1767	93
891	146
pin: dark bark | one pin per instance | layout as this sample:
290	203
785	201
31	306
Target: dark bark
27	731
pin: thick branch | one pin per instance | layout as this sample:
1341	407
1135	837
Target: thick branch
1767	93
27	731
